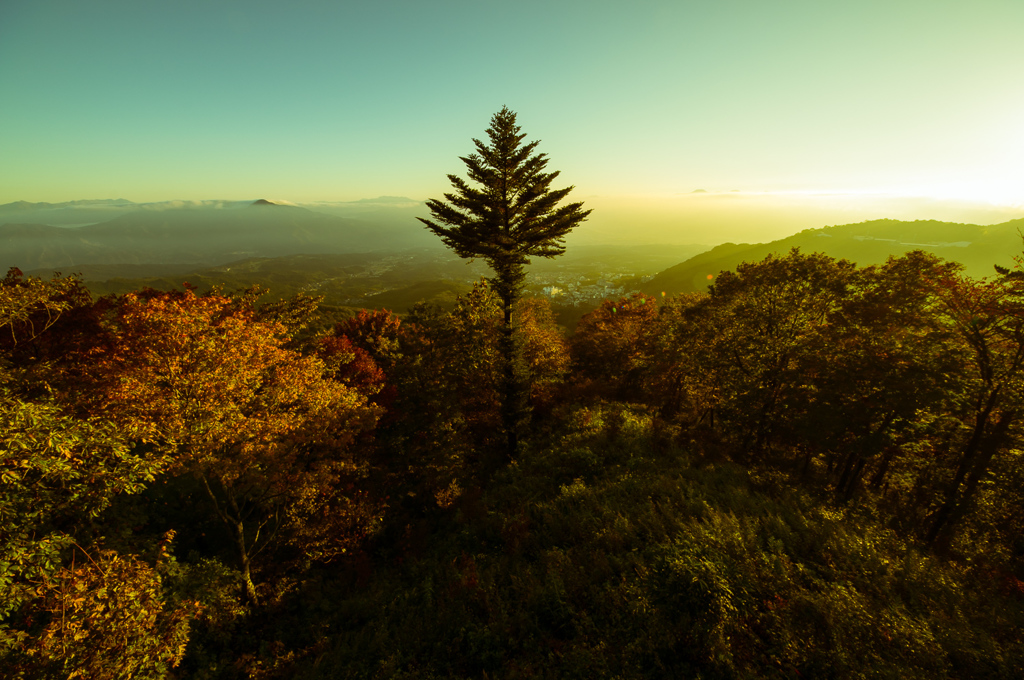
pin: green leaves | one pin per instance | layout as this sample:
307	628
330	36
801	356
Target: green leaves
105	618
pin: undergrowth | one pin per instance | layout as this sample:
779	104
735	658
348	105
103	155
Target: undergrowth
610	551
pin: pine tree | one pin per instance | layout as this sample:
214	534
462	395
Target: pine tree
508	215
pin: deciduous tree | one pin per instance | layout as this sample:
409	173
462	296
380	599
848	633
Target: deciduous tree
762	317
988	317
264	430
104	616
607	348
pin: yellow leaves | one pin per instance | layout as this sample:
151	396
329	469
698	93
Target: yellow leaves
447	496
106	619
21	299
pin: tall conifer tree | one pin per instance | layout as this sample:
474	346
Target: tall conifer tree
508	214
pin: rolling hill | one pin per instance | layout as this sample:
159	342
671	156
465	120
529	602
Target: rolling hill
977	247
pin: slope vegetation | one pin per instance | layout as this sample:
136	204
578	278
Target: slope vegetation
866	243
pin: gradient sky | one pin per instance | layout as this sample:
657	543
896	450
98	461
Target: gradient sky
818	103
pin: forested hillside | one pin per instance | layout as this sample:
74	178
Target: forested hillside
975	246
813	469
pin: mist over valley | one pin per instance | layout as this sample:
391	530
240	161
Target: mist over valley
373	253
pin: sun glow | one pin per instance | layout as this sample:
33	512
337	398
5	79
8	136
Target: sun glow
756	216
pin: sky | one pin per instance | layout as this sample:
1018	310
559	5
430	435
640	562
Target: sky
781	115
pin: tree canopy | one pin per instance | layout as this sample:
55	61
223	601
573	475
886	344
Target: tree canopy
815	469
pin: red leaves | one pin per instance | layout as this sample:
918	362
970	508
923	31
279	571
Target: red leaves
375	331
364	350
355	367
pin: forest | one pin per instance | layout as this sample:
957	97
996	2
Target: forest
813	469
809	468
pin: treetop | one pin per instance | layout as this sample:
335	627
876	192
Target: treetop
506	212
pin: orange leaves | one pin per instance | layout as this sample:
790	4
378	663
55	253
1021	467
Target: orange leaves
205	380
201	374
545	350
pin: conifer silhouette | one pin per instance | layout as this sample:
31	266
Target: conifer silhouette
506	214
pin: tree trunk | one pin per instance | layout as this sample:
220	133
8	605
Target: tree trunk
805	470
956	503
234	524
855	475
243	554
238	527
883	467
849	462
857	460
508	284
966	458
510	386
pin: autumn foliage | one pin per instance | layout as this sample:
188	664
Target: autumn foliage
264	429
811	470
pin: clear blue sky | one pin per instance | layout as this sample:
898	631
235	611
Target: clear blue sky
640	101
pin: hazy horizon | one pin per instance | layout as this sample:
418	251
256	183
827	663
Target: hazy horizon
815	114
702	217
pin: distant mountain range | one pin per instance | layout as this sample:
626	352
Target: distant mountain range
112	238
80	213
977	247
41	235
